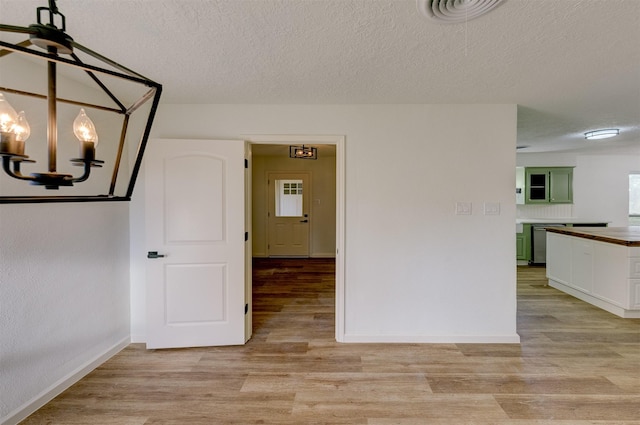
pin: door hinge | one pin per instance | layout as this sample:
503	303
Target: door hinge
246	163
246	308
246	236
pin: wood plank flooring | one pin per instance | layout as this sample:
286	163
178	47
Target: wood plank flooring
576	365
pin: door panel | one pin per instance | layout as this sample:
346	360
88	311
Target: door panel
288	209
194	294
191	217
195	218
300	235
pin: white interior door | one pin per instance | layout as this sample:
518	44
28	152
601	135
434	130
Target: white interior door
195	221
288	221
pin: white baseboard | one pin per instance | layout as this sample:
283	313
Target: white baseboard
434	339
62	384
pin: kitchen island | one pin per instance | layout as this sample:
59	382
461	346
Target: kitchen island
598	265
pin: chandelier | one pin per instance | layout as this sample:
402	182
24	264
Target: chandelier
303	152
62	88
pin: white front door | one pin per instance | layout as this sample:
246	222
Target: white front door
195	218
288	228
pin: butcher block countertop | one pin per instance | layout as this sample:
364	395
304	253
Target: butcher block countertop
628	236
559	220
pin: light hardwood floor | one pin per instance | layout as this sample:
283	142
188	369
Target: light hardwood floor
576	365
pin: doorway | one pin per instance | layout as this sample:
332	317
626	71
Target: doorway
323	243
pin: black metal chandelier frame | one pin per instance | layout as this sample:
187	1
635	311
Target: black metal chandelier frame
55	41
303	152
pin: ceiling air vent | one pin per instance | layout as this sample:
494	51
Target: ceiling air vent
456	11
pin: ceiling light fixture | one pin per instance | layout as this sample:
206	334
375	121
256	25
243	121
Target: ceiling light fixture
601	134
303	152
79	82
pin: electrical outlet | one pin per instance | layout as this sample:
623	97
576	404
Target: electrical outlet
463	208
492	208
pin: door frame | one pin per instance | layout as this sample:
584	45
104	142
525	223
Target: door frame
339	143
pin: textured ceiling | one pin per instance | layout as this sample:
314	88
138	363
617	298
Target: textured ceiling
570	65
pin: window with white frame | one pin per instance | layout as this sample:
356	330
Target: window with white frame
634	199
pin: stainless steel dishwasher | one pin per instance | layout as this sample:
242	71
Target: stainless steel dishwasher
539	243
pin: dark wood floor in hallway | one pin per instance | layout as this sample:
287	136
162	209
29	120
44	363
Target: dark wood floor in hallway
576	365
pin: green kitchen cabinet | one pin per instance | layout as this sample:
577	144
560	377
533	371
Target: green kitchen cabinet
549	185
523	243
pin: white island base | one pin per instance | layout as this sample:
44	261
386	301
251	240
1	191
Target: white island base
594	268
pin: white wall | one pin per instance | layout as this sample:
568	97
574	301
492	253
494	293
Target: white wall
602	186
64	296
414	270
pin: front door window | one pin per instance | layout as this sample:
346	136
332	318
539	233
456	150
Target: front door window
288	198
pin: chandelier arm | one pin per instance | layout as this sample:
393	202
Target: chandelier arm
145	97
16	174
85	175
61	100
15	28
107	60
131	76
101	84
116	165
25	43
143	141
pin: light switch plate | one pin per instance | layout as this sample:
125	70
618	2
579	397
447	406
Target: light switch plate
492	208
463	208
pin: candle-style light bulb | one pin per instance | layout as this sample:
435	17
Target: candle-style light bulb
8	119
22	131
8	116
85	131
21	128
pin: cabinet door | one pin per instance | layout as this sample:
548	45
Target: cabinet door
537	185
520	247
561	185
523	246
559	258
582	264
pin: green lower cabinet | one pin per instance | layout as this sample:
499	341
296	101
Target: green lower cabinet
523	246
